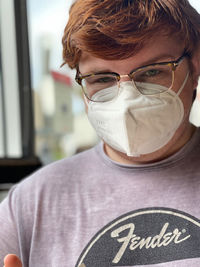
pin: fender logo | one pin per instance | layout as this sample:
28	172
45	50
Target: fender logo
163	239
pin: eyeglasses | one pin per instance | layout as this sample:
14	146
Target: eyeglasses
104	86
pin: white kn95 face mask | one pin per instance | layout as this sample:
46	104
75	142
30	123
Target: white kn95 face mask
137	124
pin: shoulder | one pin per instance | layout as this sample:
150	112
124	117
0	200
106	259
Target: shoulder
57	184
60	172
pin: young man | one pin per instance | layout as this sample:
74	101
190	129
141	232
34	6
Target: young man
133	200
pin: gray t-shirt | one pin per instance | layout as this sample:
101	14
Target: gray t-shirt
89	211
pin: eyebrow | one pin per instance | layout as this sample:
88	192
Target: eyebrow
157	59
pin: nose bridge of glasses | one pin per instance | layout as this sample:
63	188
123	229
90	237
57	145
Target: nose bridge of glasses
125	77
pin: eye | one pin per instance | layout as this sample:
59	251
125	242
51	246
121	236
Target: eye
98	82
156	74
105	79
152	72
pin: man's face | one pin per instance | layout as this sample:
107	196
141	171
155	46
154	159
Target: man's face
158	49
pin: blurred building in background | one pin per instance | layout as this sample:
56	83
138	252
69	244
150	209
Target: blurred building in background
61	125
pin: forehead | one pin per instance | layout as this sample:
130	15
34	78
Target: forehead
158	49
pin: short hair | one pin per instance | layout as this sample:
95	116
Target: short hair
117	29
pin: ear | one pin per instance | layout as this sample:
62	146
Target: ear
195	60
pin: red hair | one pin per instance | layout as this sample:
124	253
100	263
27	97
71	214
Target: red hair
117	29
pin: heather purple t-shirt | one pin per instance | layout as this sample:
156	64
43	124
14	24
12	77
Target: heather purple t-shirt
89	211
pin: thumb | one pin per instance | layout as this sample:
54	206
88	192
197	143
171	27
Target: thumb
12	260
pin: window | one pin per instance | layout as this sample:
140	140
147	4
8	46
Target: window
42	116
17	157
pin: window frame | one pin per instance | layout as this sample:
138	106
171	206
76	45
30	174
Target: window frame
17	119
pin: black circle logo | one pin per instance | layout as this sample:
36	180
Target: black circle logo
144	237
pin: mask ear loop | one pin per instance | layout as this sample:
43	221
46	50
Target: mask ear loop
86	100
195	109
183	85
